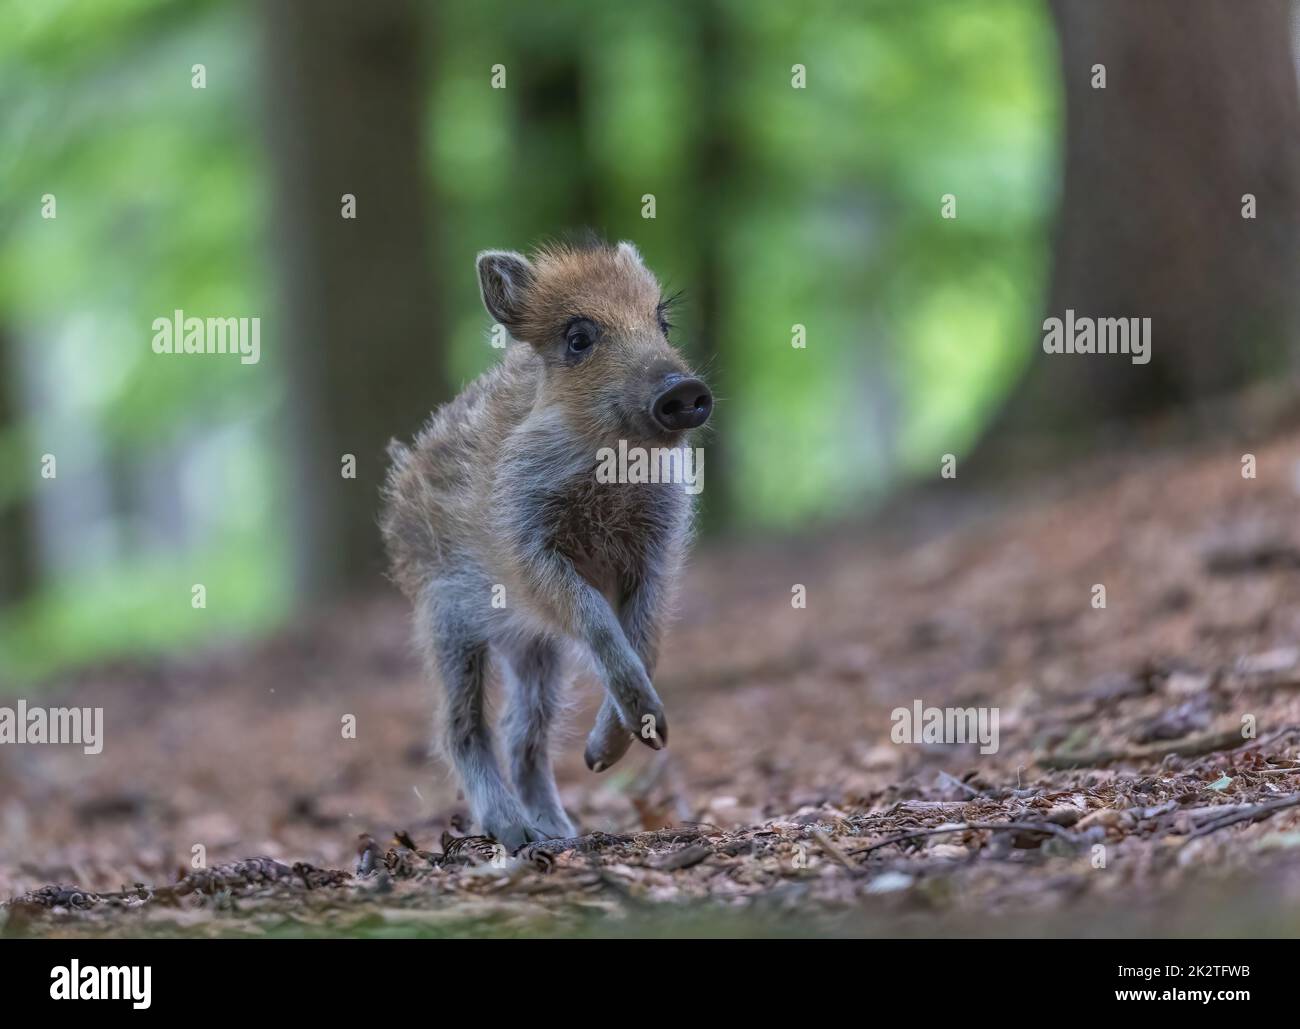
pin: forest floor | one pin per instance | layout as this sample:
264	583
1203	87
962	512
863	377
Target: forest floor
1124	796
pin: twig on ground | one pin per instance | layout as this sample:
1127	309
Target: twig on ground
1252	813
1286	730
1189	746
954	781
833	852
687	857
1043	827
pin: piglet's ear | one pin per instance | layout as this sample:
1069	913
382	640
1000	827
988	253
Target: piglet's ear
504	278
629	251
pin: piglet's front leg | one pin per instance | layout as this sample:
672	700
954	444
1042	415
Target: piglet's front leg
585	615
609	739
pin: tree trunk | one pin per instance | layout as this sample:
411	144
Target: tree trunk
714	169
364	352
554	156
1199	108
18	551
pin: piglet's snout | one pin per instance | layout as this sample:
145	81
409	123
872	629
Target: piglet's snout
683	403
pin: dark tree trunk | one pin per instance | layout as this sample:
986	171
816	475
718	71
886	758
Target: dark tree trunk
364	351
18	556
555	151
1200	107
715	174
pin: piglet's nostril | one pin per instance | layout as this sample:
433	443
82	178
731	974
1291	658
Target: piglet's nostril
685	404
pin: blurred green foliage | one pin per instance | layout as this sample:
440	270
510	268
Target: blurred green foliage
826	215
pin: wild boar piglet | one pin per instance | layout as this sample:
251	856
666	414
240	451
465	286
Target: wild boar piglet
518	555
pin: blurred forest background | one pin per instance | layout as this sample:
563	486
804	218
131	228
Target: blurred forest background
774	207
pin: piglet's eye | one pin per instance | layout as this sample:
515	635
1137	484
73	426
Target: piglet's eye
580	336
